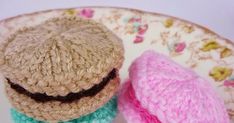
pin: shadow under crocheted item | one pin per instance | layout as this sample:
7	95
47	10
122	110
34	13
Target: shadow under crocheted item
104	114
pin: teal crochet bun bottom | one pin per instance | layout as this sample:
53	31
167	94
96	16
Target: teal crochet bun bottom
104	114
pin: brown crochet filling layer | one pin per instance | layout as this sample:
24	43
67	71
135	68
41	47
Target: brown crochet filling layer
42	97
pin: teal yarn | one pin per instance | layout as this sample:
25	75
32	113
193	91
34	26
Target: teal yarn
104	114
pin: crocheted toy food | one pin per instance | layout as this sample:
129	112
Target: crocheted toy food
62	69
161	91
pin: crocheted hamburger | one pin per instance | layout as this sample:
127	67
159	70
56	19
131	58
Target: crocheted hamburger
62	69
161	91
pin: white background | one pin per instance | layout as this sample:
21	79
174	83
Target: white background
217	15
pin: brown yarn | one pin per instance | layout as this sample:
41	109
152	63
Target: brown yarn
54	111
60	56
68	98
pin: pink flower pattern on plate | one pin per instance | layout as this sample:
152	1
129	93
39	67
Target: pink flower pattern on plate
139	28
87	13
179	47
142	29
229	82
138	39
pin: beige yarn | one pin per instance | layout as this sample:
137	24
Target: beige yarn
54	111
60	56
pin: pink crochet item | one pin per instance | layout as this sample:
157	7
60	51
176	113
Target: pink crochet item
161	91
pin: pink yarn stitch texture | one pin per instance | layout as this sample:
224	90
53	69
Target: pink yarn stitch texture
169	92
133	107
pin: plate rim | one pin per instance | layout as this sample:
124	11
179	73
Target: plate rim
123	8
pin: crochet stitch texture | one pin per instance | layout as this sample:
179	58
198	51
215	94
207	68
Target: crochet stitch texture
170	93
60	56
104	114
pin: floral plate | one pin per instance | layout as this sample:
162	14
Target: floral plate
191	45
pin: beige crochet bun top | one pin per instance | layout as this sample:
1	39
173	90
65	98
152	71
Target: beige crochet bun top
60	56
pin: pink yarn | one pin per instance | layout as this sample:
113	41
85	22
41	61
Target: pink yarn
169	92
132	108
